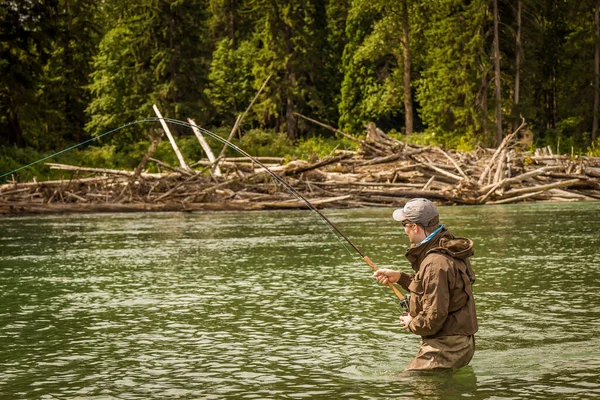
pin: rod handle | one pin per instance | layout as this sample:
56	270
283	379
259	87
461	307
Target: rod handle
391	285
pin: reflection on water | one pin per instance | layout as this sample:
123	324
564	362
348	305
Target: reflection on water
271	305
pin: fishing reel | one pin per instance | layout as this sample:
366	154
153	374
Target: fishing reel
405	301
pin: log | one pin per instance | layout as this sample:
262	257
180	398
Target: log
458	168
515	199
120	172
541	188
186	172
591	171
498	151
428	194
380	160
70	194
16	191
500	167
331	128
171	138
146	158
442	171
302	204
489	189
322	163
276	160
205	146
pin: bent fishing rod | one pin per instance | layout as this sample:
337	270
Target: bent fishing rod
284	183
277	178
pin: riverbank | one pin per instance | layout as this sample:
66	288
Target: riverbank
383	172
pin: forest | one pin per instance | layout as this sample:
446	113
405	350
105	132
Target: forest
459	74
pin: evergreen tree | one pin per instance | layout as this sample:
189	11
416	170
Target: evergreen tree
290	36
62	96
230	87
154	52
26	30
449	85
376	85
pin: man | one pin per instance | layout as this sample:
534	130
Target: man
441	305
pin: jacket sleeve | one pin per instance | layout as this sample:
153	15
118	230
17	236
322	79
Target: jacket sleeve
436	298
405	280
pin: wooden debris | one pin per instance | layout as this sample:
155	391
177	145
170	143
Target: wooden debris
383	172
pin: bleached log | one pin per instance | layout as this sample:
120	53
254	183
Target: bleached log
489	189
276	160
498	176
442	171
429	182
205	146
591	171
555	185
75	196
458	168
107	171
302	204
516	199
171	138
186	172
504	143
322	163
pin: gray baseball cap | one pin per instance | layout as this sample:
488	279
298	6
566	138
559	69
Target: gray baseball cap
418	211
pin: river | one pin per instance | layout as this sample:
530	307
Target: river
271	305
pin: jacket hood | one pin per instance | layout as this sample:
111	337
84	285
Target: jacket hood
442	242
458	247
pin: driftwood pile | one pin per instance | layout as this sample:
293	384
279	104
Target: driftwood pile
383	172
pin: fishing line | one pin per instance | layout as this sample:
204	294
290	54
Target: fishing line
337	233
77	145
342	238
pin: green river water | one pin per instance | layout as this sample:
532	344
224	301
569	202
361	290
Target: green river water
270	305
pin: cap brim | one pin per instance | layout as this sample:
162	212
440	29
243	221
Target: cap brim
399	215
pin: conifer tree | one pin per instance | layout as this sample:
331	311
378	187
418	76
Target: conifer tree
290	36
377	66
153	52
450	81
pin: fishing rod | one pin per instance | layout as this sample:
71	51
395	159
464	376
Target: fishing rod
283	182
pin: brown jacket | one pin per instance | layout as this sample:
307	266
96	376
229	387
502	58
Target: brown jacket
441	299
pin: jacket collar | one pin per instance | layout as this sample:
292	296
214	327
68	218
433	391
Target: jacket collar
417	253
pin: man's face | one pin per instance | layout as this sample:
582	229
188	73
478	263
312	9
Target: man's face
409	229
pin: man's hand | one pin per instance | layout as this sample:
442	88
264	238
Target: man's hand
386	276
405	320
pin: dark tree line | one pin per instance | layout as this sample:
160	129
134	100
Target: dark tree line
456	72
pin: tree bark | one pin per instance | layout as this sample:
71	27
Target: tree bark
484	102
596	70
408	106
497	71
518	53
290	119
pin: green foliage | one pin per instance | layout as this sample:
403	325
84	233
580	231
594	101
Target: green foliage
372	89
13	157
151	55
449	83
291	38
74	69
230	87
317	147
258	142
594	149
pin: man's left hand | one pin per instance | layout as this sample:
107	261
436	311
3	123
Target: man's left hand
405	320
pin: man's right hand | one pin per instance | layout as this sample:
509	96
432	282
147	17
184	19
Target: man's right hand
386	276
